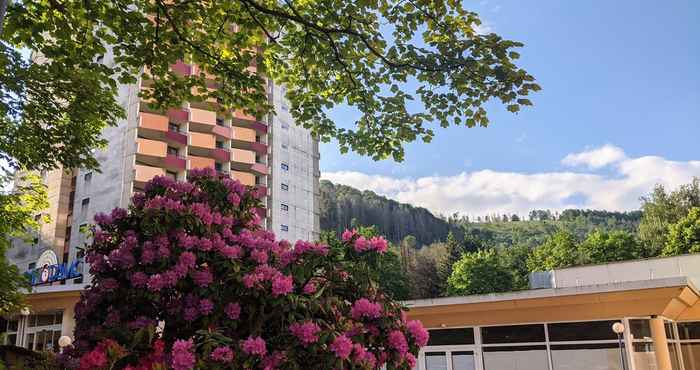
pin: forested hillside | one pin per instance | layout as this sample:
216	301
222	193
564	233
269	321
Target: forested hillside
341	204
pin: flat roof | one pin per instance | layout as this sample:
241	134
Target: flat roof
554	292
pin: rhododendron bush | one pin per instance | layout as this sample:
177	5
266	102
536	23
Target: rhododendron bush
188	279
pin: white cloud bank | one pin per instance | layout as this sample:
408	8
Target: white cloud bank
487	192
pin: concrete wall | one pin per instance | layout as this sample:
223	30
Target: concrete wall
292	145
655	268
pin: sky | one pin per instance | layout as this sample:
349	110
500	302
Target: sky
619	112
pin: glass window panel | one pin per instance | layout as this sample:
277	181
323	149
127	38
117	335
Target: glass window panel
435	361
640	328
668	327
463	360
513	334
691	355
12	325
45	320
30	341
31	321
516	358
600	356
444	337
592	330
39	341
689	330
644	356
675	361
12	339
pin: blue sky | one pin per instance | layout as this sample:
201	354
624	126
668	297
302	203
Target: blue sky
620	77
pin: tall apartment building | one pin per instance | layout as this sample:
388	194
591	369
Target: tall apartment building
272	153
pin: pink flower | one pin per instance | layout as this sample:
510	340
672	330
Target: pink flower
310	288
252	279
282	285
410	360
306	332
234	199
110	284
341	346
156	283
398	342
364	308
234	252
361	244
362	356
418	332
348	235
233	311
222	354
182	357
202	278
273	361
254	346
379	244
93	360
206	306
259	256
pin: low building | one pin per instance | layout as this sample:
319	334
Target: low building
564	322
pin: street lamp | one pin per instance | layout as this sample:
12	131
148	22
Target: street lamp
619	329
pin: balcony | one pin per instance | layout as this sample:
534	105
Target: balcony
151	148
246	178
200	162
243	157
179	116
221	154
174	162
153	122
259	148
182	69
260	168
225	132
145	173
156	127
204	141
202	120
208	103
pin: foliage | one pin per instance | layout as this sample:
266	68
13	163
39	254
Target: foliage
455	251
426	281
602	247
662	209
388	271
479	272
327	53
18	210
192	257
514	259
341	204
684	236
559	250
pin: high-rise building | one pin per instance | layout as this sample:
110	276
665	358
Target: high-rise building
269	152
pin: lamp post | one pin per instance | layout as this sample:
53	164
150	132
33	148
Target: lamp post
64	342
619	329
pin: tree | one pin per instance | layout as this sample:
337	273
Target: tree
18	210
684	236
662	209
480	272
455	251
426	280
514	260
326	53
186	278
559	250
616	245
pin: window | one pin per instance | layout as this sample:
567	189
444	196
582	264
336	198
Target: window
43	331
445	337
219	121
284	207
689	334
573	331
37	217
84	205
35	241
285	125
285	186
171	174
219	144
218	166
285	166
285	146
513	334
284	227
172	126
87	178
31	266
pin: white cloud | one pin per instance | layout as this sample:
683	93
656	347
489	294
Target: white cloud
487	191
595	158
483	29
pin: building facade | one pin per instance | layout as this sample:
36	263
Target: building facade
271	153
568	324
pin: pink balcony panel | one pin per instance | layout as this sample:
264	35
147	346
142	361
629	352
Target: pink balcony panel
173	161
259	126
177	137
181	68
222	131
200	162
259	168
222	155
202	116
259	148
178	115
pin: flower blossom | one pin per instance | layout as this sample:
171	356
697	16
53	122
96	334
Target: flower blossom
364	308
282	285
398	342
182	356
306	332
233	311
254	346
418	332
341	346
222	354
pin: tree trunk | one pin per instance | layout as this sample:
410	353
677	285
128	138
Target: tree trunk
3	10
